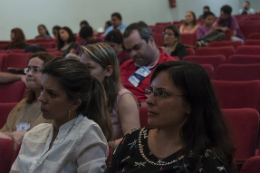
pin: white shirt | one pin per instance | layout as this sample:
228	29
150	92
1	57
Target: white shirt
249	11
84	149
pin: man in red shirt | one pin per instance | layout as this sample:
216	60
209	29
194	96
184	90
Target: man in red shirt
139	41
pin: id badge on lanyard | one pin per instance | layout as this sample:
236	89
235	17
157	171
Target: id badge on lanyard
139	75
23	127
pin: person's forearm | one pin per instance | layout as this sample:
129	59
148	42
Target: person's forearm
9	77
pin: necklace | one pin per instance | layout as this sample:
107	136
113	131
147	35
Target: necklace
143	132
64	136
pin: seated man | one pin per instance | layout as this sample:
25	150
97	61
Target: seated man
116	21
205	9
206	33
226	21
139	41
246	9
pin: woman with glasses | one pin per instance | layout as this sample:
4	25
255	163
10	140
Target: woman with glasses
122	104
27	113
172	44
187	131
77	139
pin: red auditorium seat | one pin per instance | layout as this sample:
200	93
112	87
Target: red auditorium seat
244	59
253	42
2	46
189	40
18	50
47	45
12	92
248	50
190	51
5	109
6	154
249	27
43	40
243	129
235	44
57	53
251	165
238	72
254	36
143	117
209	69
214	60
18	60
226	51
159	39
238	94
2	57
228	35
165	24
51	50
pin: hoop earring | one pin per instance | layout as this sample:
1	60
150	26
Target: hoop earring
106	79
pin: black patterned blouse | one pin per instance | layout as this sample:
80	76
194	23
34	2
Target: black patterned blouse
134	156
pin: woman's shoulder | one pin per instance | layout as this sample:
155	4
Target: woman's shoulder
39	130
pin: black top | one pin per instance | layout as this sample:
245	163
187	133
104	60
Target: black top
66	51
128	159
22	46
179	51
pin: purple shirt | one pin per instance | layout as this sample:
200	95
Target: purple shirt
232	24
203	30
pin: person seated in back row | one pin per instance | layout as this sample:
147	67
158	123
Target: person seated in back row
139	41
172	44
228	22
246	9
190	24
115	39
43	32
205	9
17	40
206	33
87	36
116	21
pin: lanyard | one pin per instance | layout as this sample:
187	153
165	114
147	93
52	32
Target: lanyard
26	112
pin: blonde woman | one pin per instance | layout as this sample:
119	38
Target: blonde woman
190	24
122	104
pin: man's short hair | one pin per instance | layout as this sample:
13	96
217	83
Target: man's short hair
247	2
84	22
86	32
143	29
206	7
208	13
118	15
226	9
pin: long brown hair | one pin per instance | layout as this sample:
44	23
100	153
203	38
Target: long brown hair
105	55
194	22
45	57
75	78
19	39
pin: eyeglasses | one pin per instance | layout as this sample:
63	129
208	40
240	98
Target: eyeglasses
158	93
168	34
34	70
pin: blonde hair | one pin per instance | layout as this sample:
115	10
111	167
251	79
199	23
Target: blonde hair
104	55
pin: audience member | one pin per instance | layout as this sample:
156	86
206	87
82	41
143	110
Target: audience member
27	113
43	32
187	130
190	24
17	40
55	31
246	9
77	139
116	21
122	104
206	33
66	41
107	24
205	9
87	35
226	21
172	44
83	23
115	39
139	41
